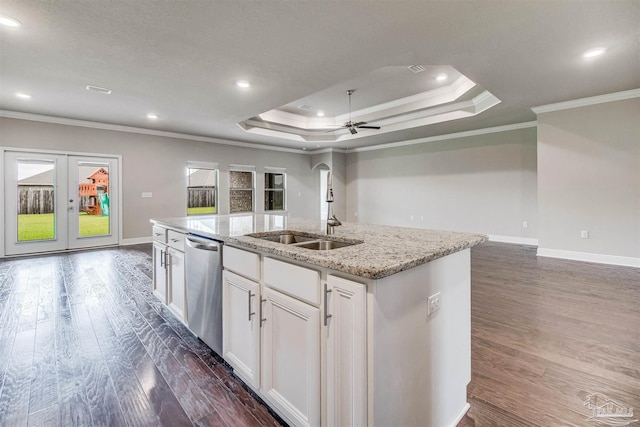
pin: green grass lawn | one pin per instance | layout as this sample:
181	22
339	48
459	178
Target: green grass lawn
41	226
201	211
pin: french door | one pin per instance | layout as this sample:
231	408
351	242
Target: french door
55	202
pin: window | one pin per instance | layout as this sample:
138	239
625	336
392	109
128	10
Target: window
202	184
274	190
241	186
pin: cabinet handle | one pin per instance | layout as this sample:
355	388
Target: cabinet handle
251	313
166	259
326	304
262	319
175	240
162	258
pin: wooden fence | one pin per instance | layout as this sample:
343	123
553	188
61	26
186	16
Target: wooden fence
35	199
199	197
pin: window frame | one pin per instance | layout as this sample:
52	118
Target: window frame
191	165
243	169
283	190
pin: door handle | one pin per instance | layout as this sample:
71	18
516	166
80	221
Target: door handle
251	313
262	319
162	259
327	316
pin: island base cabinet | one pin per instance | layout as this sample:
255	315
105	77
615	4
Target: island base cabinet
291	357
346	330
160	271
241	326
176	298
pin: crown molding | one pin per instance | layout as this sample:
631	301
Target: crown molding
143	131
466	134
583	102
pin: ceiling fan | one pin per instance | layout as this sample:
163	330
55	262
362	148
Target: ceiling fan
351	125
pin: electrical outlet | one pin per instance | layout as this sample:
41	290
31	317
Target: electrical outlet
147	194
433	304
584	234
411	217
525	224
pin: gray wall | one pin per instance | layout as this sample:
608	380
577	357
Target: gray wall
484	183
157	164
589	179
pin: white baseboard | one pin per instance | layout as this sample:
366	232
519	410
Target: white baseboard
461	415
589	257
136	241
513	239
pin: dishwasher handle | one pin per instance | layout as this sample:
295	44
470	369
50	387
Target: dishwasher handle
200	245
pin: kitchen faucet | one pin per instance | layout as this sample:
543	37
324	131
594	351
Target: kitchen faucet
332	220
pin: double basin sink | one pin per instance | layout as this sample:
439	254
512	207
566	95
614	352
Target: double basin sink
306	241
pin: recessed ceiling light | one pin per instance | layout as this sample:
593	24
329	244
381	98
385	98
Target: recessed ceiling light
320	113
9	22
23	95
441	77
152	116
243	83
99	89
304	148
592	53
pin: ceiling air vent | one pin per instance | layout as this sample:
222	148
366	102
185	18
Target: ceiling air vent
304	107
416	69
99	89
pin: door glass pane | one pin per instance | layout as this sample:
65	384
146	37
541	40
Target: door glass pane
36	200
93	199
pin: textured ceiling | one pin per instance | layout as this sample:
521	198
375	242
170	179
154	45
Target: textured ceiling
180	59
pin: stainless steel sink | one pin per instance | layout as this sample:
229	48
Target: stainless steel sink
287	239
324	245
313	242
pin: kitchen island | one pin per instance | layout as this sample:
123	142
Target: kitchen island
374	333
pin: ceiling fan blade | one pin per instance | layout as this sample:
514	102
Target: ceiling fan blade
368	127
358	123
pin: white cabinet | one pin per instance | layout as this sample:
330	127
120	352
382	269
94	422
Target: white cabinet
291	357
176	298
345	319
169	271
241	326
160	263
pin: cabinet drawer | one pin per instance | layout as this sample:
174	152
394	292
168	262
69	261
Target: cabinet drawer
159	234
244	263
175	240
299	282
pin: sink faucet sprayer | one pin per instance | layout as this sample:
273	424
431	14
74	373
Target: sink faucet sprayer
332	220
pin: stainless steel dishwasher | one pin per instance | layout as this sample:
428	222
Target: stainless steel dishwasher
203	262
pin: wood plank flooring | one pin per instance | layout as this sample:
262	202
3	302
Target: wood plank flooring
546	333
83	342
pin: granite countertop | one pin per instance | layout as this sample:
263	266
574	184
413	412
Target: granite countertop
385	250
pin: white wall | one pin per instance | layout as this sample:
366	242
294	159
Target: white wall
157	164
589	179
484	183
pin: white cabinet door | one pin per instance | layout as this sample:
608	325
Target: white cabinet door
177	300
346	353
291	357
241	326
159	271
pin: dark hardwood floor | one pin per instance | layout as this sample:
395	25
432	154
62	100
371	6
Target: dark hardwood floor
83	342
